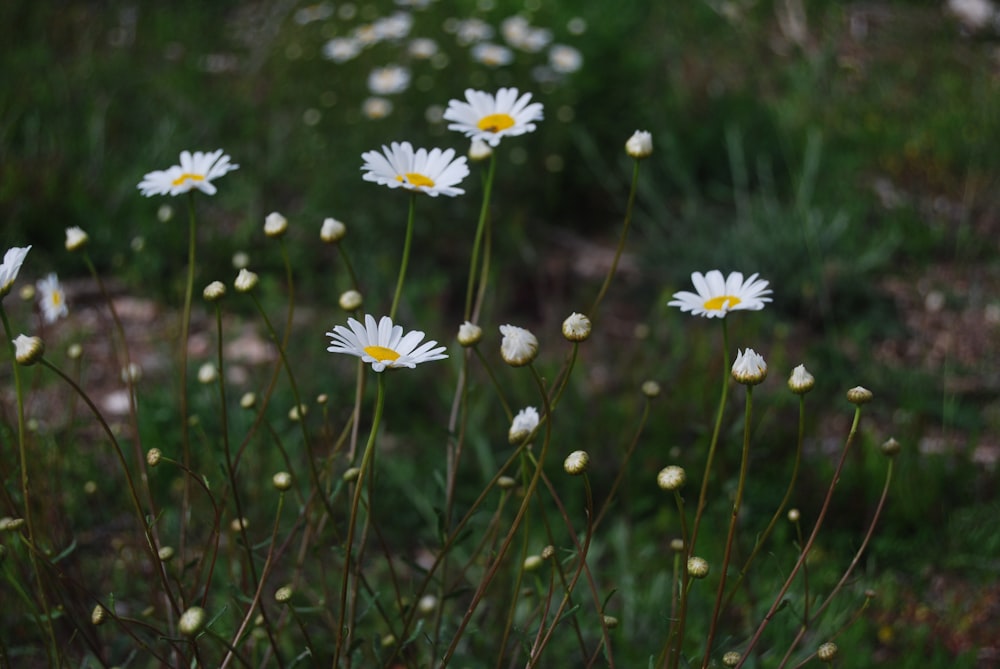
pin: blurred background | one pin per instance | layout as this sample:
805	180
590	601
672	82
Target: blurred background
847	151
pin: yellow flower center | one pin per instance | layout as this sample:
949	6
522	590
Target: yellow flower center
381	353
717	303
57	297
415	179
187	176
496	122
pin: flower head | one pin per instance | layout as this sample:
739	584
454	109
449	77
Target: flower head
332	231
671	478
388	80
576	463
51	298
518	347
383	344
749	367
718	295
576	327
469	334
640	144
491	118
11	265
859	395
434	172
76	238
28	350
275	225
523	425
191	621
801	381
246	281
196	170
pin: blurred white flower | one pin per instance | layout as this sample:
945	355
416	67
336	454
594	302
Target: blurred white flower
310	13
974	14
565	59
375	108
341	49
523	425
433	172
394	27
470	31
11	265
492	55
388	80
51	298
196	171
422	48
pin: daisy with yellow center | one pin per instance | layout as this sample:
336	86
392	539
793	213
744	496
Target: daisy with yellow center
491	118
383	344
434	172
196	171
51	298
717	295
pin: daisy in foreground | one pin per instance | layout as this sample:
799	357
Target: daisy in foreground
383	344
10	266
51	298
434	172
196	170
491	118
718	295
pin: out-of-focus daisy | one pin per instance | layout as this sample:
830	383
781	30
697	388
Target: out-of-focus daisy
310	13
11	265
565	59
415	4
718	295
388	80
524	423
375	108
422	48
434	172
394	27
491	118
366	35
492	55
197	170
383	344
341	49
470	31
51	298
514	29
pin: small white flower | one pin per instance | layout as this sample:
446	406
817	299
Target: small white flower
470	31
28	350
332	231
492	55
375	108
196	170
422	48
383	344
717	296
341	49
388	80
11	265
640	144
51	298
76	238
434	172
207	373
275	225
469	334
565	59
523	425
491	118
749	367
519	346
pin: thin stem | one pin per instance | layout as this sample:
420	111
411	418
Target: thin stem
732	528
183	357
406	256
592	313
478	239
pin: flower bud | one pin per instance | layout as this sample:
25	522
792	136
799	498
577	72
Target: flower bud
671	478
166	553
469	334
826	652
890	447
28	350
651	389
350	300
207	373
245	281
794	515
523	425
332	231
192	621
749	367
351	475
533	562
214	291
275	225
507	482
518	347
76	238
283	594
731	659
282	481
479	150
8	524
677	545
153	457
74	352
639	145
576	463
697	567
248	401
610	621
427	604
548	552
576	327
801	381
858	395
98	616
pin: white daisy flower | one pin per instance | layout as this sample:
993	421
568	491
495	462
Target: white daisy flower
492	55
383	344
491	118
11	265
341	49
434	172
422	48
394	27
523	425
196	170
565	59
470	31
375	108
51	298
388	80
717	296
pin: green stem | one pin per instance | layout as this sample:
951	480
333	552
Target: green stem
406	256
183	353
478	239
592	314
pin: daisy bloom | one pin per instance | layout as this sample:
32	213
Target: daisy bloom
434	172
383	344
375	108
523	425
388	80
28	350
565	59
341	49
196	170
717	296
519	346
491	118
51	298
76	238
492	55
11	265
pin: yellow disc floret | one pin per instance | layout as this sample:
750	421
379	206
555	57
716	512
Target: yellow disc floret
496	122
381	353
